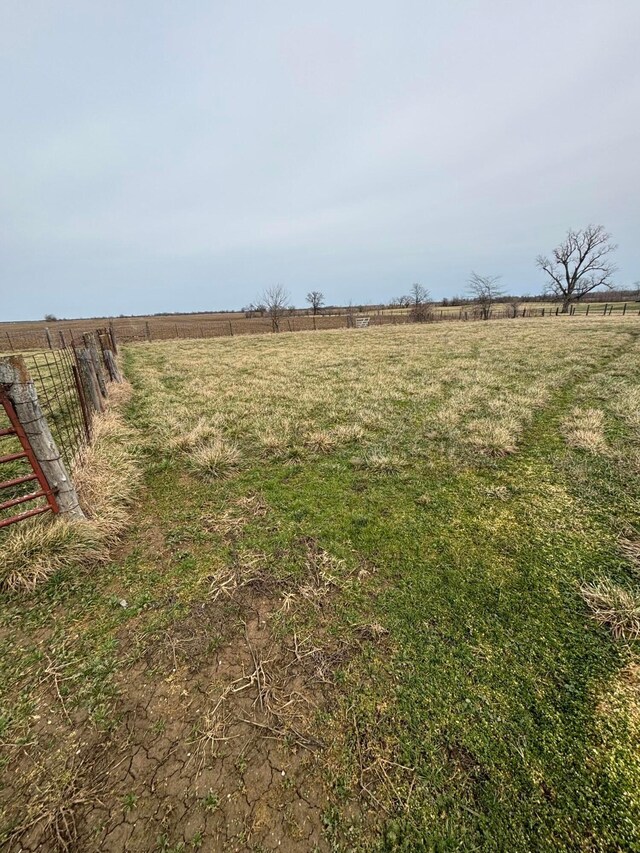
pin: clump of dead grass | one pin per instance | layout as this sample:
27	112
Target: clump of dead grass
198	435
584	429
327	440
106	476
378	462
615	607
321	441
629	545
493	438
203	444
35	549
215	459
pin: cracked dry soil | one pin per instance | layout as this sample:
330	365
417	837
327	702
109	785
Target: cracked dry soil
214	748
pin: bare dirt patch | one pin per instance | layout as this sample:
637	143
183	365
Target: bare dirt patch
215	745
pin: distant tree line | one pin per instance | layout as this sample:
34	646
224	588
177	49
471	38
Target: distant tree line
580	268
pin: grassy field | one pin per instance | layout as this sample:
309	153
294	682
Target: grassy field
30	335
380	591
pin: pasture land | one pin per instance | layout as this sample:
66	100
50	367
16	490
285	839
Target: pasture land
365	603
32	335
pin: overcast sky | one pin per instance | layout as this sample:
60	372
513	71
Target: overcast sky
159	156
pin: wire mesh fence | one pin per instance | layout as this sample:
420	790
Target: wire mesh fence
48	402
20	337
24	490
55	375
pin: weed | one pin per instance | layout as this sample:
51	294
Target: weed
211	801
129	802
159	727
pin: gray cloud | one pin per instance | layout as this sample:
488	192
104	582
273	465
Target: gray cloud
179	156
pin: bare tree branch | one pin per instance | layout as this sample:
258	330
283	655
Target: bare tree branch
580	264
421	306
276	302
484	291
316	300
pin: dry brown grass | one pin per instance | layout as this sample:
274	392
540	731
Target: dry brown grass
203	445
33	550
584	429
215	459
615	607
630	547
106	477
454	392
197	436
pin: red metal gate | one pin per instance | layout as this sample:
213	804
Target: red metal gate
44	489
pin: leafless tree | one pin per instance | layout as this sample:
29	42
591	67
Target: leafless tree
513	307
351	315
316	300
579	264
400	302
419	295
276	302
484	291
421	305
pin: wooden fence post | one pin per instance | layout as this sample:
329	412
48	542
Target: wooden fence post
84	405
9	341
112	367
48	334
90	344
89	380
22	393
108	357
114	337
